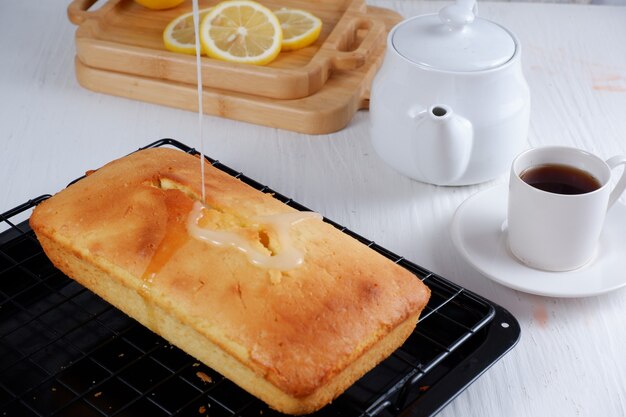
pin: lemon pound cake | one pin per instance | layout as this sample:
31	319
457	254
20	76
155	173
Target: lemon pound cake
281	303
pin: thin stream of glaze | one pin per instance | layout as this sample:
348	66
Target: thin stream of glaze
196	28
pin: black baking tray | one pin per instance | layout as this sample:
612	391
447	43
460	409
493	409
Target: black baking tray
66	352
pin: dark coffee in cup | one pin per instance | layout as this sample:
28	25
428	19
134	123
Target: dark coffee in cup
554	231
560	179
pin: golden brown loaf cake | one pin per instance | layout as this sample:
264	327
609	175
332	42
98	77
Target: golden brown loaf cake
295	339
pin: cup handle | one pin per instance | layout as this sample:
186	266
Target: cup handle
621	184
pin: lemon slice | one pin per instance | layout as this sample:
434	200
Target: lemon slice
300	28
159	4
241	31
179	35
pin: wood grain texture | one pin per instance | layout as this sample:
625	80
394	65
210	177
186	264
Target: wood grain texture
325	111
120	52
123	36
570	360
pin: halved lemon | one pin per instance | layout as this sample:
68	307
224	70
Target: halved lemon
300	28
241	31
159	4
180	35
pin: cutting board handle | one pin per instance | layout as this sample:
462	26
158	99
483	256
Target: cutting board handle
345	35
78	10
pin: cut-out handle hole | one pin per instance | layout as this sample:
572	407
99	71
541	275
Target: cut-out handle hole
355	36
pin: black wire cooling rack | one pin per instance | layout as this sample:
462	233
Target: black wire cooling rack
66	352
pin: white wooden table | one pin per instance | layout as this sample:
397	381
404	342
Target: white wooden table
571	360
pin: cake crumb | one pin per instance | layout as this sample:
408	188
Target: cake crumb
195	365
54	389
204	377
424	388
97	394
121	355
202	409
275	276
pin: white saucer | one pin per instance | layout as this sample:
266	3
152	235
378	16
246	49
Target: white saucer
479	233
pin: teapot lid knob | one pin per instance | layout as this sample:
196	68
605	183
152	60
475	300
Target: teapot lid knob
457	16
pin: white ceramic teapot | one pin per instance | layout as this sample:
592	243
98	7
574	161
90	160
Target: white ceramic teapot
450	105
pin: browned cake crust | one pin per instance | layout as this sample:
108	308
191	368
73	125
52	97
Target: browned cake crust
296	339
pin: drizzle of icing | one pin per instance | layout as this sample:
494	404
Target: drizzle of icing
288	257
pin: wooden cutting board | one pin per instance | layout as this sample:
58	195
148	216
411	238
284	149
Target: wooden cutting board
123	36
328	110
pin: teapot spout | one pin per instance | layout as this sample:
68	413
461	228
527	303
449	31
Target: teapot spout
444	141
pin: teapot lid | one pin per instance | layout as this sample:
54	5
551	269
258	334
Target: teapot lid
454	40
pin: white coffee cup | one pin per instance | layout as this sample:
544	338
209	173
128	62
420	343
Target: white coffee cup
559	232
